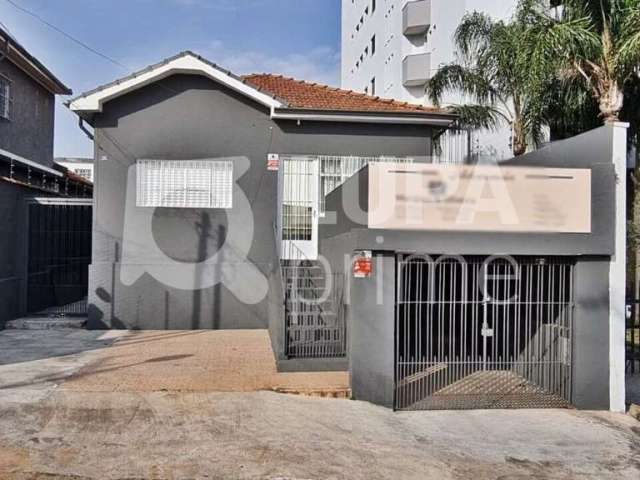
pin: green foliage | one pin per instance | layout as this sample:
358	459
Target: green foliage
495	73
568	69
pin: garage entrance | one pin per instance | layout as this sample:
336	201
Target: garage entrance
483	332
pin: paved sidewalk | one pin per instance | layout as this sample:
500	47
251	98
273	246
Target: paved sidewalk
92	405
151	361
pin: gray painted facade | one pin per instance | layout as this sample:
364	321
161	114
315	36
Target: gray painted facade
27	134
370	318
29	131
192	117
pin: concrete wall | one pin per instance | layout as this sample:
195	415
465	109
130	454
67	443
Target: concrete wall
190	117
29	132
590	381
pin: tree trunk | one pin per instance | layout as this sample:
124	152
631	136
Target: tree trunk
519	138
611	101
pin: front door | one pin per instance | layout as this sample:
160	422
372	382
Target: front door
300	208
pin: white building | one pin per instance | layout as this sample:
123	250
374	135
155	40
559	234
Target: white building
391	47
82	167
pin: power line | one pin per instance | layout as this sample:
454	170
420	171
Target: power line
67	35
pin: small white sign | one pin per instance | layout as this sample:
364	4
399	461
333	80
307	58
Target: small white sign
273	161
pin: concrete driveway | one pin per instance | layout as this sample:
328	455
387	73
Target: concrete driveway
58	421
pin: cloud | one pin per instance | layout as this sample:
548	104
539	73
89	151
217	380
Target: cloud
320	64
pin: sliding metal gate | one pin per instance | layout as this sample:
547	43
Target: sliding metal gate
478	332
59	253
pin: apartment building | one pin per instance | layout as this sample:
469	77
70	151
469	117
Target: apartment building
82	167
390	48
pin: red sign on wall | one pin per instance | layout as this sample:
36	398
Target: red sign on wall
363	264
273	161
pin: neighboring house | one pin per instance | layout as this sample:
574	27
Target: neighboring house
27	99
82	167
390	48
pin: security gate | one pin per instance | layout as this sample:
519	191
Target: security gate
58	255
483	332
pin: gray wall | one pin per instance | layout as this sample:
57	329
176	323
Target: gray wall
29	132
190	117
372	325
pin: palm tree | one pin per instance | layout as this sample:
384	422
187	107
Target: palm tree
496	77
595	45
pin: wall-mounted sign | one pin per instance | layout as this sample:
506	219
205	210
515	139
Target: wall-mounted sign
273	161
487	198
363	264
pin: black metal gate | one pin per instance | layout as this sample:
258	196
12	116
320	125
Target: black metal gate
59	253
483	332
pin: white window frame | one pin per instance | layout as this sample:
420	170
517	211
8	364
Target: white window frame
5	93
196	184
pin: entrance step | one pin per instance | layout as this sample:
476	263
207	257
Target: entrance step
46	323
327	392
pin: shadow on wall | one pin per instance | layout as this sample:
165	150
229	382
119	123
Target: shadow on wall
206	305
203	229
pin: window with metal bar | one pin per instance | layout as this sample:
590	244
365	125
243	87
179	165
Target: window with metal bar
335	170
5	98
185	183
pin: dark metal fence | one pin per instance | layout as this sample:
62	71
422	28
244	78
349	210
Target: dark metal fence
59	253
473	334
632	337
314	311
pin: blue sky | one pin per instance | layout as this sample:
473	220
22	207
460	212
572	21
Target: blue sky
300	38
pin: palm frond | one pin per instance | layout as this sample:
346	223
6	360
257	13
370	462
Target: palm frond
479	116
473	34
457	78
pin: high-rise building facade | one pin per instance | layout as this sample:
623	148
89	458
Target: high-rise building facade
390	48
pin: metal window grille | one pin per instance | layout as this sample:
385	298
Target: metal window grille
185	183
335	170
5	98
303	182
297	205
83	172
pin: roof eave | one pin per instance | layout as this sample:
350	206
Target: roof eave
186	62
33	67
415	118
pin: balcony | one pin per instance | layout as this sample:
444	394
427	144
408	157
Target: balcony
415	69
416	17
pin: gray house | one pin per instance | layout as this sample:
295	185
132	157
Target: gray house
226	202
27	176
206	182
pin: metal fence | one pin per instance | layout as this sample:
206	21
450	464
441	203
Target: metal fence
632	337
477	334
315	324
59	253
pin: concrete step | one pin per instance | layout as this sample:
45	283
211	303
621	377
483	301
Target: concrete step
321	313
317	280
46	323
324	392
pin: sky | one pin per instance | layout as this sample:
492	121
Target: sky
299	38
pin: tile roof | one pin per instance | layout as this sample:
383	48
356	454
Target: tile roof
299	94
